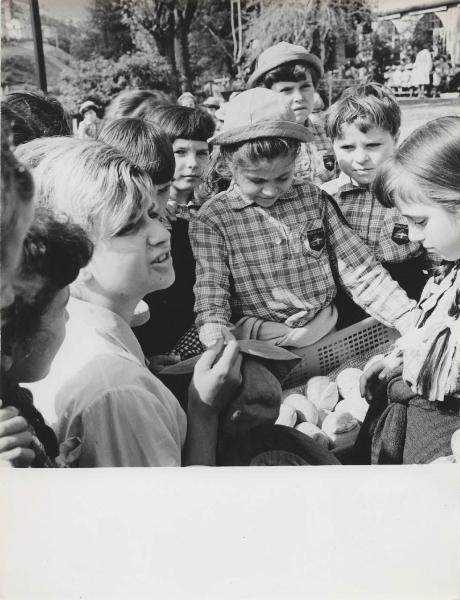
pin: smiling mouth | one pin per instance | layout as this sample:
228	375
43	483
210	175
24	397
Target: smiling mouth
162	258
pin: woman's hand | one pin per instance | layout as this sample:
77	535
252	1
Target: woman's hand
15	439
375	374
217	376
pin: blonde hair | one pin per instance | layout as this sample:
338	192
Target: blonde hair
93	183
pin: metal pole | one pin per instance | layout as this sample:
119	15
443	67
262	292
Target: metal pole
38	44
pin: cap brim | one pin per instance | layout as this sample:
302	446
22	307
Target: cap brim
312	61
286	129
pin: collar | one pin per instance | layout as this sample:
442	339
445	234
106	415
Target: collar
345	183
238	202
107	324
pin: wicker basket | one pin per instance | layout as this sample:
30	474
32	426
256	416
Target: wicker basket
351	346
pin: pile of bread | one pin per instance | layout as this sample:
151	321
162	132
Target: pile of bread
329	412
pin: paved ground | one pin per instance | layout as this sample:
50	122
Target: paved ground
418	112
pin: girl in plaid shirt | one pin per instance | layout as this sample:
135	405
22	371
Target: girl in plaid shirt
269	249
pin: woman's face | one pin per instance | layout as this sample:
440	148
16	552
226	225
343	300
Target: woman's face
32	358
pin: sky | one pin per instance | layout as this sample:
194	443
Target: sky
66	8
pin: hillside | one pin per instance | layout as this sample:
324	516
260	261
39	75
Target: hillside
18	64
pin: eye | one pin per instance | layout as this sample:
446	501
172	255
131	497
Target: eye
164	189
420	222
256	181
129	228
346	147
306	86
283	178
153	213
374	145
203	153
180	152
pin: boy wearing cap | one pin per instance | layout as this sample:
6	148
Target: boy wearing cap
364	128
269	249
292	71
89	127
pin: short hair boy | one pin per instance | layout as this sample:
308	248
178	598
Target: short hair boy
364	128
290	70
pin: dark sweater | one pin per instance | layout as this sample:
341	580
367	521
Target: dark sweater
171	310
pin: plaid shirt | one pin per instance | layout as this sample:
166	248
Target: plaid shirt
384	230
279	263
310	165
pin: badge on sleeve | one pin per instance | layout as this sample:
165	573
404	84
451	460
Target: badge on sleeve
316	238
400	234
329	161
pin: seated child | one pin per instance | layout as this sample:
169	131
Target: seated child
172	315
291	71
364	128
269	249
99	384
414	393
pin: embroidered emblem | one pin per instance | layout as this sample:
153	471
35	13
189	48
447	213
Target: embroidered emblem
316	238
329	161
400	234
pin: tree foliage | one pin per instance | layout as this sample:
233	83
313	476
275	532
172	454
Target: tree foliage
99	79
164	26
309	23
106	33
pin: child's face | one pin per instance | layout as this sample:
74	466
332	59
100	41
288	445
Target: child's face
434	227
360	154
265	181
300	95
191	161
135	262
90	116
13	252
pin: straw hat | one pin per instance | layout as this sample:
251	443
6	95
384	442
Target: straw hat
257	113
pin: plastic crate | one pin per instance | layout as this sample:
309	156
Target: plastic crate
363	339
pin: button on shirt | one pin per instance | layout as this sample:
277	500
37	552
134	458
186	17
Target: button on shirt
279	263
384	230
104	394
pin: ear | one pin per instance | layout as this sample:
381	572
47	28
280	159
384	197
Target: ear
84	276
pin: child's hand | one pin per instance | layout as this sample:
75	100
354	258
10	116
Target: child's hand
15	438
375	374
217	376
158	362
172	208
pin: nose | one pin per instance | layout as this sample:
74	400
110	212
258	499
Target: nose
415	233
361	155
269	190
191	160
158	234
297	95
8	295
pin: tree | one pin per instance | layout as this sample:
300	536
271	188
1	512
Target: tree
106	32
164	26
309	23
99	79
